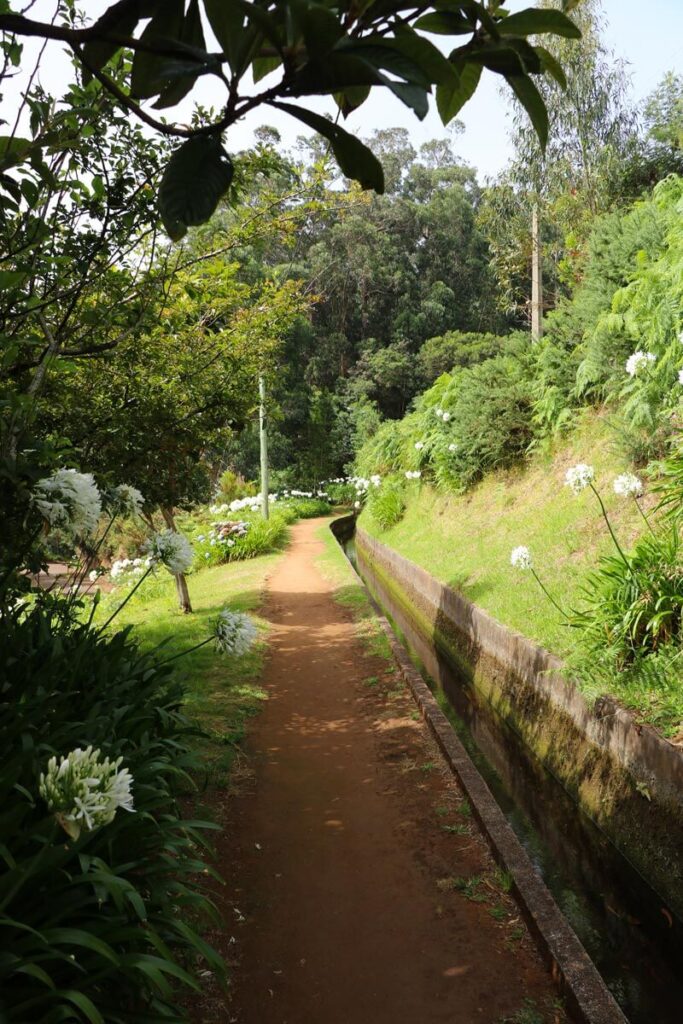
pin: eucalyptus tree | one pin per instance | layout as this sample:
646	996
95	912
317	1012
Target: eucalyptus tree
156	50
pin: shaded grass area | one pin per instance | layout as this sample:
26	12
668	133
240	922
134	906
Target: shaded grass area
222	692
465	541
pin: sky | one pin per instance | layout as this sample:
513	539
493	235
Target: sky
647	34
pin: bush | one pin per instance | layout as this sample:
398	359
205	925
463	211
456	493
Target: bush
490	426
104	927
456	349
232	485
309	508
632	610
261	538
386	503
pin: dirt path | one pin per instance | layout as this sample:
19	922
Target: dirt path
359	890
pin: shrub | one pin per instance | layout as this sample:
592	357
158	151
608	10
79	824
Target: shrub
456	349
309	508
232	485
386	504
490	422
104	927
634	606
262	537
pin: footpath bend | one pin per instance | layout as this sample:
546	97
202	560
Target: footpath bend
359	890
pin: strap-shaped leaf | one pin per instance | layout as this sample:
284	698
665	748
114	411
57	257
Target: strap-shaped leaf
532	21
355	160
451	99
552	65
197	176
532	101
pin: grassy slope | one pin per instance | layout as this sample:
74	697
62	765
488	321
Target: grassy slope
222	691
466	541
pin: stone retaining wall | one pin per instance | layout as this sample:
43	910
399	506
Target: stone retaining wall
625	776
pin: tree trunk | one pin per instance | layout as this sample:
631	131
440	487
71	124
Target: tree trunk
180	581
536	278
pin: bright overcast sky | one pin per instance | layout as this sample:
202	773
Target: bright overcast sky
648	34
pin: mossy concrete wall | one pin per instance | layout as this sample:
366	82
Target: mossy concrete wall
624	775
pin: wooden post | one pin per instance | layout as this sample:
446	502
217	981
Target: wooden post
536	278
263	438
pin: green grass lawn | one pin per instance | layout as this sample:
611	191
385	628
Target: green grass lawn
466	541
222	691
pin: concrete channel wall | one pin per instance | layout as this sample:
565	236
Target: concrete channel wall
624	775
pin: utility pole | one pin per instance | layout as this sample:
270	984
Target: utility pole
536	278
263	438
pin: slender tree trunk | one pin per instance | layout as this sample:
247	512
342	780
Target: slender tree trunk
263	438
536	278
180	581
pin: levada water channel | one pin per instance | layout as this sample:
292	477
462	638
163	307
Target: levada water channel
624	926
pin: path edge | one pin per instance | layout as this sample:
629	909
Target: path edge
588	998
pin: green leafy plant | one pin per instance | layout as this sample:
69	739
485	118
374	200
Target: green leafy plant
387	503
106	926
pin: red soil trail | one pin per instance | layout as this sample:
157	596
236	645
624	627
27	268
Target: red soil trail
345	853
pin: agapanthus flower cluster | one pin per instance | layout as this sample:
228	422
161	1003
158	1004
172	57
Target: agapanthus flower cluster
172	549
452	447
234	632
680	376
84	790
413	474
419	445
638	361
126	500
442	415
375	480
123	567
579	477
627	485
520	557
69	500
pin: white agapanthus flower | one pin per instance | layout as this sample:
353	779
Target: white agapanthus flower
445	417
84	790
356	504
452	447
628	485
69	500
579	477
438	413
413	474
419	445
680	337
520	558
234	632
680	376
126	500
639	361
171	548
375	480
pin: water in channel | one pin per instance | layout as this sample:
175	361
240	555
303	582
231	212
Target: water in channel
623	924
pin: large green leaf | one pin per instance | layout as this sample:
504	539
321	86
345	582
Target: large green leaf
532	101
355	160
197	176
120	19
227	20
192	35
450	99
532	21
445	23
148	76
